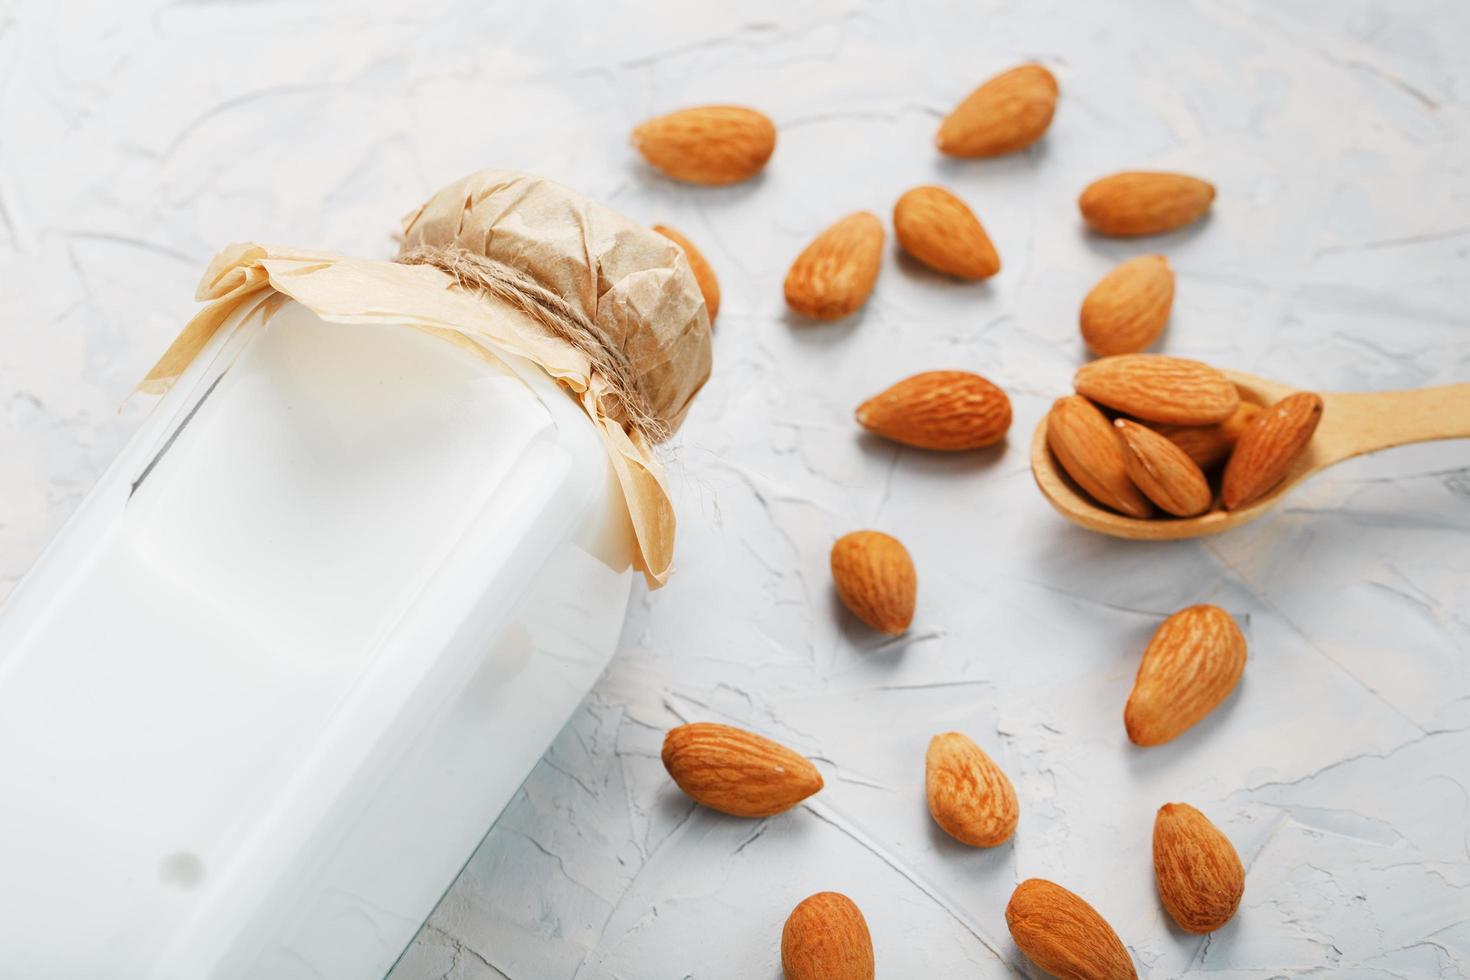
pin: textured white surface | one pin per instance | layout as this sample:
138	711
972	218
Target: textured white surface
138	138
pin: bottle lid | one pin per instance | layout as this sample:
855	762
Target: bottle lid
513	262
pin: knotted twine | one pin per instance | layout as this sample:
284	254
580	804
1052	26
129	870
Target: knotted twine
513	286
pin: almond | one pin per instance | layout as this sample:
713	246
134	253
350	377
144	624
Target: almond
1064	935
1163	471
711	145
1144	202
1007	113
1083	443
1193	662
875	579
937	228
1127	309
1208	445
833	276
969	796
709	286
737	772
1269	445
1159	388
826	938
946	410
1200	876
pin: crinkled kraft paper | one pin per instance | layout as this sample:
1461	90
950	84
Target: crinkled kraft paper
633	283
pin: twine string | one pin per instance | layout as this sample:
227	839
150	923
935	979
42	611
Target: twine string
550	309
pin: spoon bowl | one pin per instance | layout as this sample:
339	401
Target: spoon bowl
1353	423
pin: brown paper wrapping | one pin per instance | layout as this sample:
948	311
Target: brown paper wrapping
635	284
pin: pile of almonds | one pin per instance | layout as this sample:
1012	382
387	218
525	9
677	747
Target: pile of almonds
1145	430
1144	434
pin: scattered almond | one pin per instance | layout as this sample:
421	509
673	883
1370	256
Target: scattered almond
834	275
1144	202
826	938
969	796
1083	442
1208	445
709	286
1268	446
1193	662
1199	875
1064	935
737	772
875	579
940	231
1163	471
711	145
1008	113
1159	388
945	410
1128	308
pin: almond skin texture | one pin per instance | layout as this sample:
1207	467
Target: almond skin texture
969	796
1208	445
1163	471
834	275
1064	935
1006	114
1144	202
1193	662
737	772
711	145
1084	444
946	410
1128	308
1268	446
875	579
826	938
938	229
709	286
1199	875
1159	388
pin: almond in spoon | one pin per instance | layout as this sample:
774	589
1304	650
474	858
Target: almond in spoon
834	275
1269	445
1163	471
1209	445
711	145
1199	875
1064	935
1083	442
1144	202
1193	662
1128	308
737	772
969	796
940	231
1159	388
826	938
875	579
1008	113
950	411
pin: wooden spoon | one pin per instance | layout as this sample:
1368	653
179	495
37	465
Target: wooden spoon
1352	424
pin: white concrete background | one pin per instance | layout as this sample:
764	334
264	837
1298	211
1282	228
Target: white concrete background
135	139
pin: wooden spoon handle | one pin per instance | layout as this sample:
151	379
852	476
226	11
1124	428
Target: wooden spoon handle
1353	424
